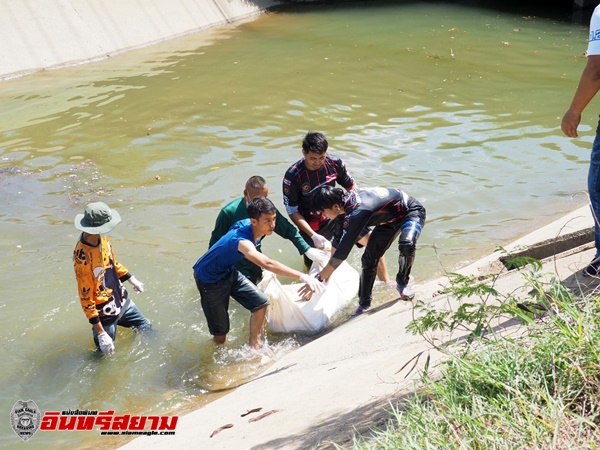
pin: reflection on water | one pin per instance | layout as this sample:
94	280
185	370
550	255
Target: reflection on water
457	105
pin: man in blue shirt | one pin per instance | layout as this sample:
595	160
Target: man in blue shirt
217	279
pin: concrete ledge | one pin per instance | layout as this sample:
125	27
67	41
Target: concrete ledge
551	247
563	234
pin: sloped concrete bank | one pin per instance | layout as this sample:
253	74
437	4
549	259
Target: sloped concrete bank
43	34
46	34
346	381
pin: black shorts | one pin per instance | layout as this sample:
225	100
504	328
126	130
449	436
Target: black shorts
214	298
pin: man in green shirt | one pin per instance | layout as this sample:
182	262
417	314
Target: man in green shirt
236	210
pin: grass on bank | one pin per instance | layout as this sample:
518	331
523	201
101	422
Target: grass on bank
540	390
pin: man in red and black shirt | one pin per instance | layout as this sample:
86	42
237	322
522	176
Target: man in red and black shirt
318	168
392	212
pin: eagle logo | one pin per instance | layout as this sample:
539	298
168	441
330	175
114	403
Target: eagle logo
25	418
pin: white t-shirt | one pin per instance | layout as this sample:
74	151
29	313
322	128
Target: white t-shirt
594	42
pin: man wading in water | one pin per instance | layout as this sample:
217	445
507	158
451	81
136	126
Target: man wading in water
217	279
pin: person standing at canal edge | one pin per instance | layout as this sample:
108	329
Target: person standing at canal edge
589	84
256	186
317	168
392	212
100	278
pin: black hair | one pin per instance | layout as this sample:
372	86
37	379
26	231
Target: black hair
260	205
325	196
256	182
315	142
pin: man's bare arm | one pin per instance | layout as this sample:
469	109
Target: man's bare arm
589	84
250	253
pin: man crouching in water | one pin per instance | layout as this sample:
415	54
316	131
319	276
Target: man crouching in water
217	279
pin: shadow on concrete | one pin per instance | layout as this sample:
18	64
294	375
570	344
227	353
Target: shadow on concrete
374	416
582	286
340	429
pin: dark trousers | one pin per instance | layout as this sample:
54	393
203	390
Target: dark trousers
132	318
408	229
214	298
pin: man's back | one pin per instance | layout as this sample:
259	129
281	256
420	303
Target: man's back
376	205
365	207
224	254
232	212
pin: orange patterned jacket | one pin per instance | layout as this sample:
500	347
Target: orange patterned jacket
99	279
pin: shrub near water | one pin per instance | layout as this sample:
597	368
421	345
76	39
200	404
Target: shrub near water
538	391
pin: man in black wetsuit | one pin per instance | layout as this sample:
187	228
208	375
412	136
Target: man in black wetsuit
392	212
318	168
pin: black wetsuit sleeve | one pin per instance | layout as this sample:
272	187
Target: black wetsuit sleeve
338	230
354	223
344	178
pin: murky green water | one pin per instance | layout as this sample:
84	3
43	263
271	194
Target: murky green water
459	106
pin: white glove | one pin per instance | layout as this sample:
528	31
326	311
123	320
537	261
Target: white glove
317	255
314	284
106	344
138	286
318	240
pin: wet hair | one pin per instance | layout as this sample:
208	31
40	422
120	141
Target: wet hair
256	183
315	142
260	205
325	196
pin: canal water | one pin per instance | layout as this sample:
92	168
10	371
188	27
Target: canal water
458	105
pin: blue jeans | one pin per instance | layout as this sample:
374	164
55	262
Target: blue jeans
132	318
594	187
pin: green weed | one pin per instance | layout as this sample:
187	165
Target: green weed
537	390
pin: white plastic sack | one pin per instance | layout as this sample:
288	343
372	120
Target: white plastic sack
288	312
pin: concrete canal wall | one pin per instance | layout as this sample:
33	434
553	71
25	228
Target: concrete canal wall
42	34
